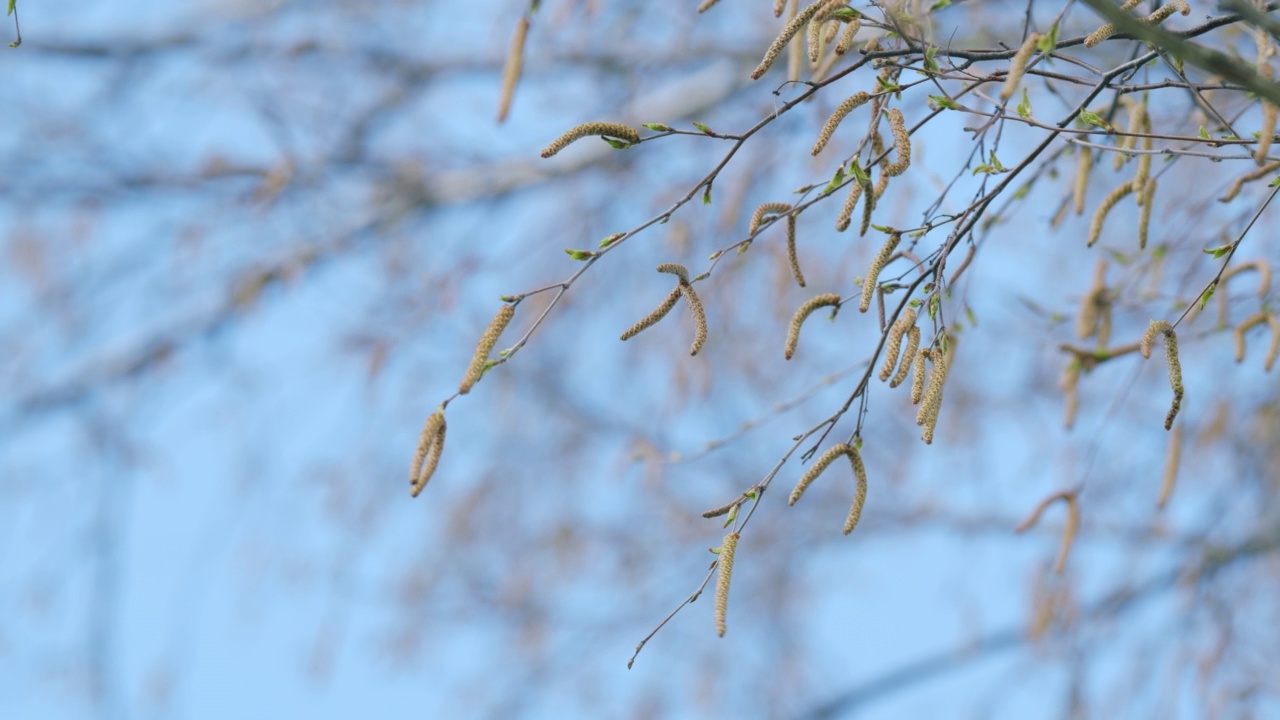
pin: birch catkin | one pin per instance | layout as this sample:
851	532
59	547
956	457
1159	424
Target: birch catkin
480	359
842	111
804	311
769	208
512	68
793	259
1170	467
1251	322
847	36
1018	66
1082	178
1100	215
430	445
652	318
917	374
724	571
1157	328
614	130
873	273
901	144
894	343
913	342
819	466
1069	529
859	493
850	202
699	315
788	32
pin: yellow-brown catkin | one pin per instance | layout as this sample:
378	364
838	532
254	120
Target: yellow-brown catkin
1100	215
1267	133
1126	142
778	6
512	68
842	111
1170	467
427	457
1164	11
819	466
927	415
699	316
1258	174
1248	324
913	342
801	19
917	374
1069	529
847	36
859	493
793	259
805	310
1144	215
1070	385
850	202
676	269
1144	160
490	338
1108	30
769	208
1018	66
614	130
652	318
1082	178
894	343
705	6
901	144
1091	306
724	571
1157	328
873	273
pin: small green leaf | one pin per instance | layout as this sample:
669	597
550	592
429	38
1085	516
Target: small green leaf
580	254
706	195
1218	252
1092	118
973	319
860	174
1275	182
733	515
610	240
1049	41
658	127
1208	293
1204	133
13	5
847	12
886	86
706	130
939	5
929	63
1024	107
944	102
835	180
616	144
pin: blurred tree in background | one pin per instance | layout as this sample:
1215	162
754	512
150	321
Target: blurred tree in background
250	247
